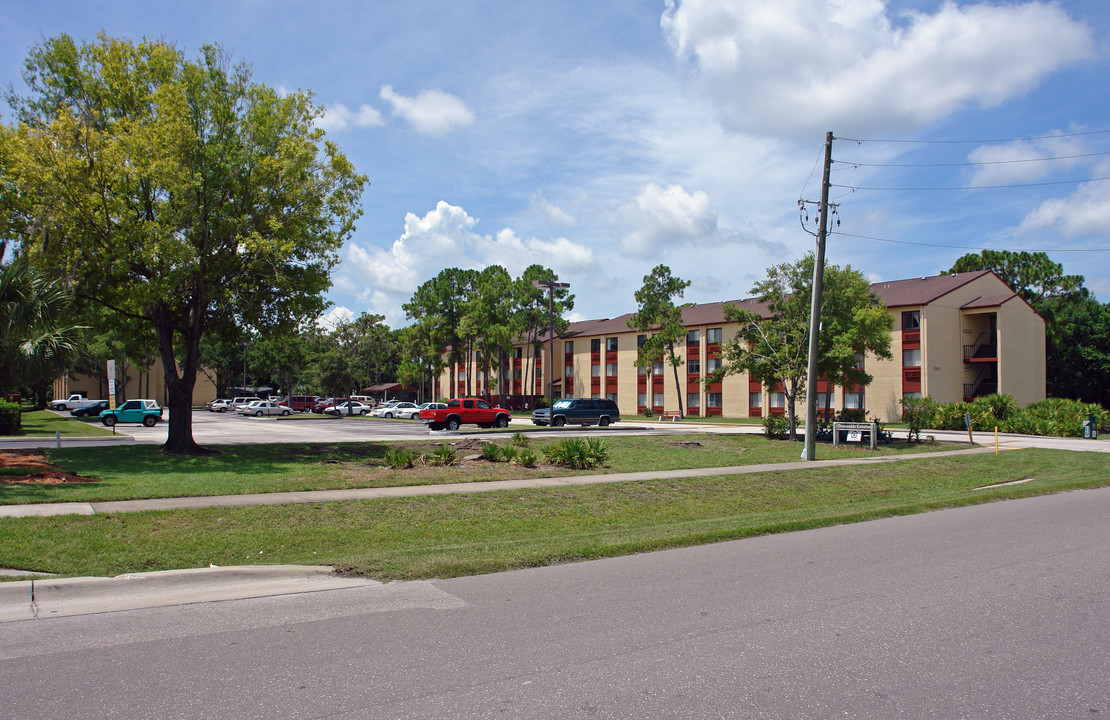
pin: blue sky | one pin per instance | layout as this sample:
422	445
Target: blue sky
604	137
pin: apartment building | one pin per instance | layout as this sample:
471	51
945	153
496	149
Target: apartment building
953	337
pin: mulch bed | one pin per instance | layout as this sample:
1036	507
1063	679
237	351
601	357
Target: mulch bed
47	473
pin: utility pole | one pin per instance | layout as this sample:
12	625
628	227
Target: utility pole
550	285
815	307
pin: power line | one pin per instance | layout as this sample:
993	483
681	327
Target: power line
965	247
965	164
975	187
977	142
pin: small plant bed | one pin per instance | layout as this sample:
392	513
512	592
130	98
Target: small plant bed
30	467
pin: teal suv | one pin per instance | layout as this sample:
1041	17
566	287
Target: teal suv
147	412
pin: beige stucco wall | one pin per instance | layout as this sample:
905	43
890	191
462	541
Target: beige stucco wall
149	384
1021	353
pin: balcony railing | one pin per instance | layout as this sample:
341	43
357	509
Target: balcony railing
986	351
973	390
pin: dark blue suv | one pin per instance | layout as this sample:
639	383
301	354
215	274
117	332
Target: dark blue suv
578	411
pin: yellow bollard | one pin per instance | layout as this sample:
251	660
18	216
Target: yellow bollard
995	439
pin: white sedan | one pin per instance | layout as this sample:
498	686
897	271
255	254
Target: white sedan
352	407
398	410
258	408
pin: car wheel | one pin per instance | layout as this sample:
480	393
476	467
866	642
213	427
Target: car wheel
388	415
223	410
110	420
453	424
61	407
284	413
258	413
603	422
559	422
435	426
150	421
502	421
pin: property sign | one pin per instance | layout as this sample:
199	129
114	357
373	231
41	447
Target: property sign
111	384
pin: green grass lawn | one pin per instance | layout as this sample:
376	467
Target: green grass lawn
144	471
445	536
38	423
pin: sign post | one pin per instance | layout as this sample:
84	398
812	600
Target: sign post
111	384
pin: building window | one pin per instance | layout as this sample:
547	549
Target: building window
461	376
641	399
516	374
822	398
911	320
641	370
693	367
693	400
657	368
539	372
611	396
569	371
657	400
778	400
595	396
755	399
568	347
693	337
712	364
911	357
911	395
611	344
595	345
595	371
853	401
713	336
640	340
611	370
519	353
713	400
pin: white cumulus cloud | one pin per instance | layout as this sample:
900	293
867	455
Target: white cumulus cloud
340	117
810	65
432	112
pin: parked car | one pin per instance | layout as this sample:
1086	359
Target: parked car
326	403
399	410
300	403
241	402
264	407
578	411
73	402
415	415
92	410
222	405
148	412
462	411
380	410
210	406
350	407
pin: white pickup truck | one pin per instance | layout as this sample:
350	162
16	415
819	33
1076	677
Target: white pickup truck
73	402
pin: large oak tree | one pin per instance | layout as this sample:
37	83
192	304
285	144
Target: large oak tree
178	192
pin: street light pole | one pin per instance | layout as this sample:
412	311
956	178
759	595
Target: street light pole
550	285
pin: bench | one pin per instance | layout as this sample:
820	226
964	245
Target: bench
672	414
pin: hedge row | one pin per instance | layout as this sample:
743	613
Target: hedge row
1054	416
9	418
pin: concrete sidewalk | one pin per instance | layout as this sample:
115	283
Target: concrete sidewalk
315	496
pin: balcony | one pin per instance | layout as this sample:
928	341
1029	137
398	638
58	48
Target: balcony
974	390
987	352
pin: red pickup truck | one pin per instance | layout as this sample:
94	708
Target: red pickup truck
465	411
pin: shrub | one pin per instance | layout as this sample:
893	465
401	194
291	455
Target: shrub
576	453
918	413
445	455
526	457
1055	416
399	458
510	452
9	418
775	426
519	439
491	451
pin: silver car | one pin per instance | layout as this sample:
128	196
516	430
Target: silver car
264	407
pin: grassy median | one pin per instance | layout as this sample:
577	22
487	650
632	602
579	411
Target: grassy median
445	536
129	472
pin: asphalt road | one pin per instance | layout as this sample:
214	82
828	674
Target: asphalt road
998	611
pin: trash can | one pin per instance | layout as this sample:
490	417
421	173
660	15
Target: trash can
1090	427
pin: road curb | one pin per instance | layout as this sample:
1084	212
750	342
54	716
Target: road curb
61	597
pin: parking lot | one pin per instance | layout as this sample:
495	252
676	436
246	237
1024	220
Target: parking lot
211	428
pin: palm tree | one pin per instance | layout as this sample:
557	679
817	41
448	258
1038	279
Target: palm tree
38	340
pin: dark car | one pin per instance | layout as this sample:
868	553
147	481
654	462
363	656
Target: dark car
91	410
578	411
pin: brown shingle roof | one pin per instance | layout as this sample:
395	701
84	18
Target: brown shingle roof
988	301
922	291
